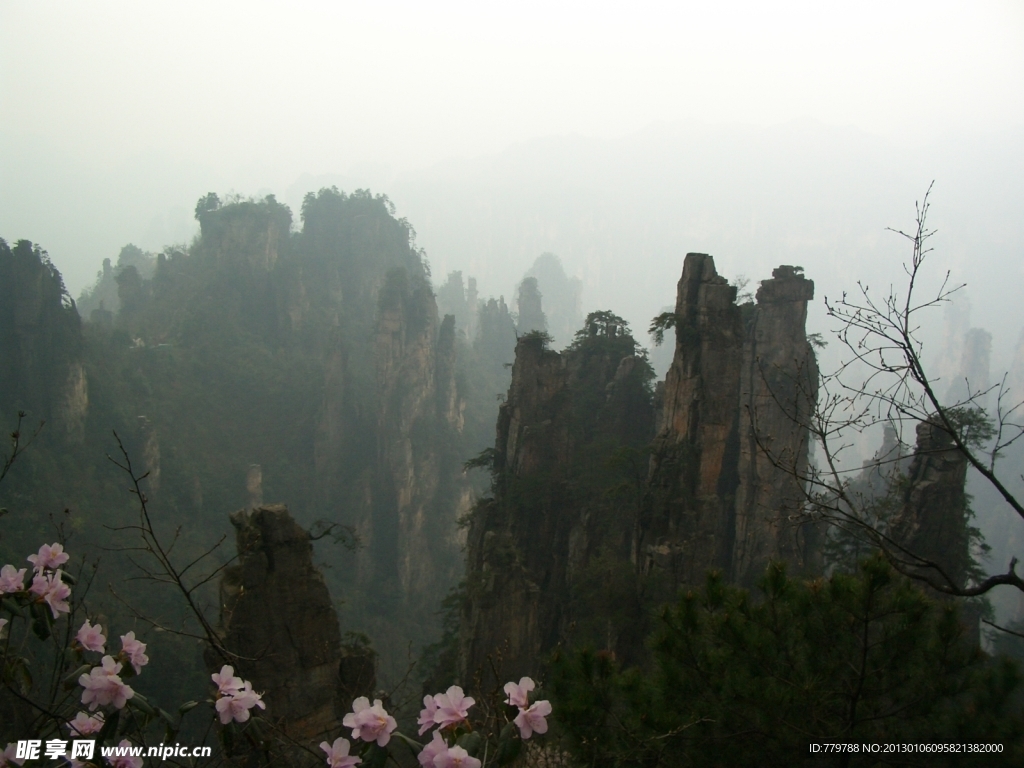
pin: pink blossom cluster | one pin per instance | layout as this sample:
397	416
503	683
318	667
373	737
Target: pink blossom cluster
47	583
370	723
91	638
235	696
531	718
451	709
445	710
103	686
133	652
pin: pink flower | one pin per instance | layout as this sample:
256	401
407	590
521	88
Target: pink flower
135	651
531	720
426	720
370	723
226	681
83	725
91	638
452	707
103	686
124	761
53	591
432	749
236	706
337	754
50	556
456	757
249	697
518	695
12	580
9	756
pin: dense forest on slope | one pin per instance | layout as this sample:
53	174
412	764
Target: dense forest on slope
307	367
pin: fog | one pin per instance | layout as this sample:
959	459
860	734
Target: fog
618	141
118	117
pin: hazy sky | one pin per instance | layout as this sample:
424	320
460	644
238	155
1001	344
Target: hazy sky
117	116
262	89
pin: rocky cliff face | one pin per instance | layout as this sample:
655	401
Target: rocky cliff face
734	402
535	547
318	355
512	563
778	390
277	616
388	459
689	518
933	520
418	421
40	344
584	532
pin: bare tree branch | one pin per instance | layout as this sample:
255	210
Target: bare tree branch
884	381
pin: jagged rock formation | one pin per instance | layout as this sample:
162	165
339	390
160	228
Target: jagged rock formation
932	522
317	355
102	296
40	345
536	549
511	566
245	233
562	295
277	616
723	490
551	557
689	520
531	312
388	418
418	407
778	391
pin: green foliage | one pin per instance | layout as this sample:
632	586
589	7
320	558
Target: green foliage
538	338
972	425
606	325
660	324
208	203
743	679
484	460
743	294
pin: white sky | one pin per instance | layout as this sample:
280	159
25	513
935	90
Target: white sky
266	90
